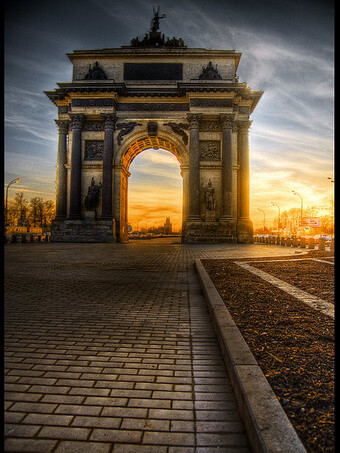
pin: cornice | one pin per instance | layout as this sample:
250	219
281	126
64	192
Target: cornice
238	93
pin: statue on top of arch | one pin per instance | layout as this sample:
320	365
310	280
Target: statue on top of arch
155	20
154	38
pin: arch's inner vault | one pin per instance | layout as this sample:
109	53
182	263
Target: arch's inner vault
155	93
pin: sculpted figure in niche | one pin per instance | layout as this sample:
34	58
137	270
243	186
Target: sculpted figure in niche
92	197
210	197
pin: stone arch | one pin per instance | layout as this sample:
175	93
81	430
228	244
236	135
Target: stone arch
140	141
134	145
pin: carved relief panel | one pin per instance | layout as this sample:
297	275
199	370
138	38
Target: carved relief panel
94	150
210	150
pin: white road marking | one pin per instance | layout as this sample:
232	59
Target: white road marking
285	261
322	261
315	302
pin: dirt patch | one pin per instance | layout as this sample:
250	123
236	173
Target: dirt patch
293	343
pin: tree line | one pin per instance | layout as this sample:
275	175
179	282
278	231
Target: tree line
35	212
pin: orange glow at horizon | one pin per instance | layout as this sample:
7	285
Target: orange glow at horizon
155	192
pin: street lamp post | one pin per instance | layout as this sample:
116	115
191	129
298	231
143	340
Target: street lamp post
264	219
278	222
295	193
15	181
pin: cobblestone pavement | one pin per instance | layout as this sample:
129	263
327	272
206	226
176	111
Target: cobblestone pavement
109	348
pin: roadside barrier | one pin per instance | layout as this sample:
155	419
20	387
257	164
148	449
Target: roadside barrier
311	243
322	243
302	242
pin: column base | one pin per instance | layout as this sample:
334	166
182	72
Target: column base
194	218
245	231
208	232
88	230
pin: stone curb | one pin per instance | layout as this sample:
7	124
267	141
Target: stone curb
268	428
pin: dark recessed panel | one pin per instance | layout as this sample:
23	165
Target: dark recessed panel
153	71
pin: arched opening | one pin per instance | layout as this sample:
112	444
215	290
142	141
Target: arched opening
155	194
159	193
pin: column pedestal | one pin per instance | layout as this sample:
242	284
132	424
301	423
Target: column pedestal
87	230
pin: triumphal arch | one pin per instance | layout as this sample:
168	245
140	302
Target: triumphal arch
154	93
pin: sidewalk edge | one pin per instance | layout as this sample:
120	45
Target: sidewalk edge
268	428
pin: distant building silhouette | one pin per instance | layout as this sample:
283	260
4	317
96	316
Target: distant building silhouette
167	226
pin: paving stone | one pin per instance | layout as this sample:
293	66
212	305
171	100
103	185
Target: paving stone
29	445
43	408
96	422
179	426
219	427
115	344
145	424
121	448
113	435
21	396
16	430
124	412
78	410
58	432
172	438
171	414
82	447
13	417
215	440
48	419
182	450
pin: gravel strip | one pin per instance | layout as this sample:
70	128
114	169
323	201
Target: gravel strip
292	342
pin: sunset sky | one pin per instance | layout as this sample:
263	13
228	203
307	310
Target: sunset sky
287	51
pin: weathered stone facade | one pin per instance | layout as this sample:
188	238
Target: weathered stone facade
122	101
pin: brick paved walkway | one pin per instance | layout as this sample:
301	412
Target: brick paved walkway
109	348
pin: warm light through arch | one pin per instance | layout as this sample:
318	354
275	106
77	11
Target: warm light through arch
155	189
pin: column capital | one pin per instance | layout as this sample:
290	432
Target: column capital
194	120
227	121
110	120
243	126
62	126
77	120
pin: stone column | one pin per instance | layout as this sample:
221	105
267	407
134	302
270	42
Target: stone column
185	197
75	192
243	156
194	168
61	182
244	224
227	168
117	197
109	127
